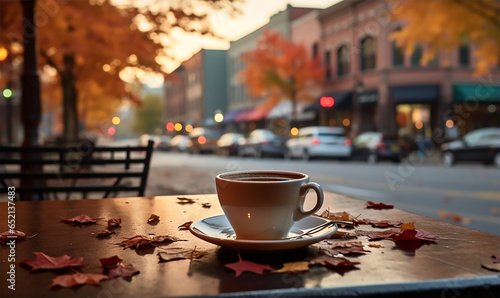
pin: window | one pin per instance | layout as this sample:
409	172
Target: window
328	73
368	52
343	60
463	55
315	50
416	56
397	55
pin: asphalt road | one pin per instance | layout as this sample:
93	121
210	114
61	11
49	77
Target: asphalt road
467	194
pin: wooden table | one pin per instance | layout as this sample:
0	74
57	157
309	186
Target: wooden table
450	268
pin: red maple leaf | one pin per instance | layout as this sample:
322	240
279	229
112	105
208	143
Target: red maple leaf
378	206
83	219
247	266
114	222
125	271
44	261
78	278
420	235
378	235
14	235
139	240
332	261
104	233
110	262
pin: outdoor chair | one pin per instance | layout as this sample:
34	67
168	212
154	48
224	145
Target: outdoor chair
44	173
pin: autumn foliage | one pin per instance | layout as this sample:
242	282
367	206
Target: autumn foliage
278	69
447	24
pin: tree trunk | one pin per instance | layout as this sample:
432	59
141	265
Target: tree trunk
70	115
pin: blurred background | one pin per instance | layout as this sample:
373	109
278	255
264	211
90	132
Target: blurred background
384	96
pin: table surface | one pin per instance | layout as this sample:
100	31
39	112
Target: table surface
449	268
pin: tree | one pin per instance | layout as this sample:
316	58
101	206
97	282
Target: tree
148	117
280	69
89	43
446	24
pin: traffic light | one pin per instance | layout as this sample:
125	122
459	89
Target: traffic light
326	101
7	93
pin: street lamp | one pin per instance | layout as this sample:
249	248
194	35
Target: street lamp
218	116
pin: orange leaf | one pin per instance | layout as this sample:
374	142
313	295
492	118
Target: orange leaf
247	266
293	267
44	261
78	278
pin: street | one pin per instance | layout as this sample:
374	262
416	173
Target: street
467	194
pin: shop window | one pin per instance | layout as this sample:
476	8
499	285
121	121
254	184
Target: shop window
328	72
463	55
343	60
416	56
368	53
315	49
397	55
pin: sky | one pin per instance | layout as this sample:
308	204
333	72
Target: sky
256	13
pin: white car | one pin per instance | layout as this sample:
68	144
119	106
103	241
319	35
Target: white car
319	141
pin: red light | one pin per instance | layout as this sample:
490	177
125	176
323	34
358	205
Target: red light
111	131
381	145
347	142
326	101
170	126
202	140
316	141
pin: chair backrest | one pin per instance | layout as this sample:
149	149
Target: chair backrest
38	172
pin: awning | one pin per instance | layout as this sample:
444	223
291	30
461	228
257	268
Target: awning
415	94
368	97
284	110
243	114
259	113
343	101
476	93
229	117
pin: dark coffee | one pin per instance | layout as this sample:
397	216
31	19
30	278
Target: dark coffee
260	178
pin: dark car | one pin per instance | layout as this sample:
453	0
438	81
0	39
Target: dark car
373	146
260	143
481	145
203	140
228	143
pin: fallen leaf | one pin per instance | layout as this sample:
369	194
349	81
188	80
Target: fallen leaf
492	266
354	250
380	223
378	235
375	245
348	244
180	253
378	206
337	215
78	278
44	261
15	235
293	267
104	233
332	261
125	271
82	219
184	200
343	235
206	205
408	226
247	266
153	217
496	259
114	222
139	240
185	226
110	262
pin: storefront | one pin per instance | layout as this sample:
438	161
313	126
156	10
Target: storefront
416	110
367	102
476	106
340	114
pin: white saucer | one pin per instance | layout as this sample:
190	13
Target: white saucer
217	230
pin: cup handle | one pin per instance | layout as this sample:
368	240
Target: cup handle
303	191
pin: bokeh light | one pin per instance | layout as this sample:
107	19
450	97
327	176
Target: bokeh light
3	54
116	120
111	131
7	93
449	123
218	117
178	127
202	140
346	122
419	125
170	126
189	128
294	131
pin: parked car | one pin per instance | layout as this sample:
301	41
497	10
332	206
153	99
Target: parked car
373	146
260	143
481	145
179	143
164	142
228	143
319	141
203	140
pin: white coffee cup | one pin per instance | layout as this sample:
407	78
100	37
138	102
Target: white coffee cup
264	205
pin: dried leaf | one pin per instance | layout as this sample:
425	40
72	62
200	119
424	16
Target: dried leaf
78	278
180	253
332	261
44	261
414	235
82	219
378	206
378	235
104	233
247	266
153	217
408	226
139	240
353	247
375	245
337	215
343	235
114	222
125	271
110	262
380	223
185	226
206	205
15	235
184	200
293	267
